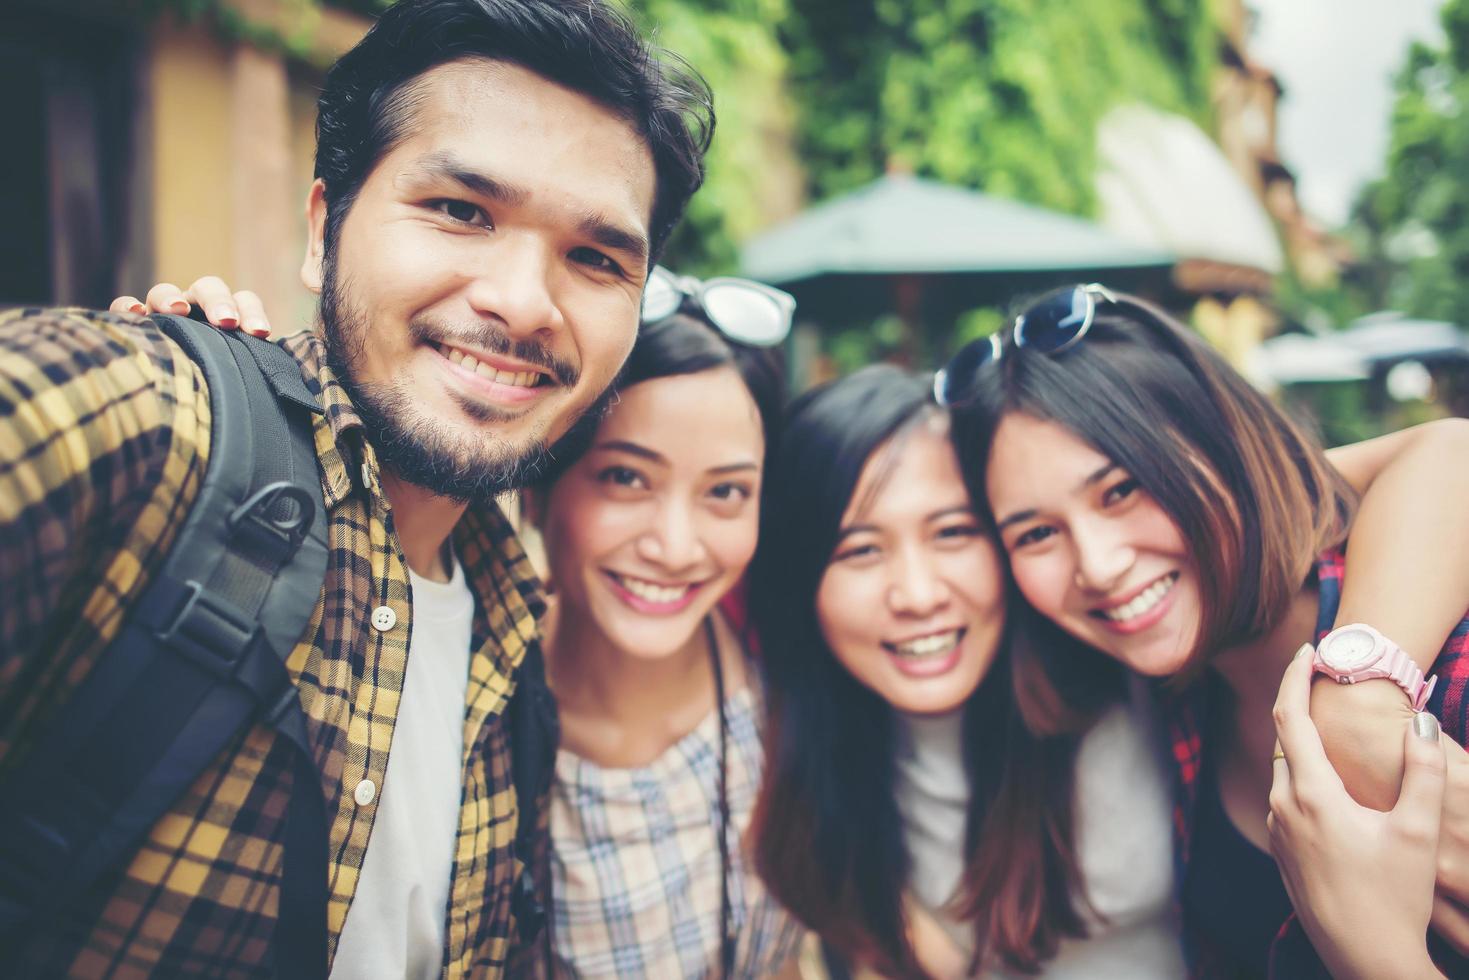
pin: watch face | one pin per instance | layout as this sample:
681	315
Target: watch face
1349	648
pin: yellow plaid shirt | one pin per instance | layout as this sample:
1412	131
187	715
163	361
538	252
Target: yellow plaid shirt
104	434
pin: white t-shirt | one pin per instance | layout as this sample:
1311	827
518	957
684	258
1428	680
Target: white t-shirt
1124	840
395	926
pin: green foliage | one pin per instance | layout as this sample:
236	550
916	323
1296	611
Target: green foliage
978	323
1337	413
1413	223
1002	95
853	347
732	44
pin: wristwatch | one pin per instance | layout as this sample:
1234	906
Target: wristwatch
1357	652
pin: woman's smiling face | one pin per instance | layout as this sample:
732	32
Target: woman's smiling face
659	518
1090	549
912	602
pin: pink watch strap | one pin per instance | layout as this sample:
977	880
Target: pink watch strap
1409	676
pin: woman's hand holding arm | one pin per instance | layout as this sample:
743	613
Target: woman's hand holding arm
1361	880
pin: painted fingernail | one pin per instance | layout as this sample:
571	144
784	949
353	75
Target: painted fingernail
1425	726
179	306
137	308
256	326
226	316
1305	649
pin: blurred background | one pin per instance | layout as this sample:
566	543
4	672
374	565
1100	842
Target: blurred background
1286	175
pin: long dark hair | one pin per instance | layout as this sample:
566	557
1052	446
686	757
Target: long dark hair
1252	494
828	833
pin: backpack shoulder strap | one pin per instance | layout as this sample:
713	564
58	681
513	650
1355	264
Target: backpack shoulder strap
200	658
534	733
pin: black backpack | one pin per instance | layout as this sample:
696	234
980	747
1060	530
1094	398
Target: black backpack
201	658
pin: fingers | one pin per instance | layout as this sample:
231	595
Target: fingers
252	313
213	296
167	298
1420	804
1451	921
1297	733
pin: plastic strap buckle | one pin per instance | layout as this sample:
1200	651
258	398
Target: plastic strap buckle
209	631
1427	692
273	522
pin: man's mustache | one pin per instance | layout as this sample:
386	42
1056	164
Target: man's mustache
490	338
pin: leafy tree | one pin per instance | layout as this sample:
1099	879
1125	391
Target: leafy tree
1412	225
733	44
1003	95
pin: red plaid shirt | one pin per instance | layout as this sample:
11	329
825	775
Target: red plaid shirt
1185	713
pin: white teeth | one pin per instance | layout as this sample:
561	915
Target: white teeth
518	379
652	592
1143	602
928	646
515	379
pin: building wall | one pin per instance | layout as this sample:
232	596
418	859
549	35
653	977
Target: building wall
153	150
233	139
191	145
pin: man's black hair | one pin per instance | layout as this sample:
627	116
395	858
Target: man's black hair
584	45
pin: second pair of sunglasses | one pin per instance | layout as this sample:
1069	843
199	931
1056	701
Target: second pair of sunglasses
745	311
1055	322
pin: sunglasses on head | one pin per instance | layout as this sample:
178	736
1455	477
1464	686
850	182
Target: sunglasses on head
745	311
1055	322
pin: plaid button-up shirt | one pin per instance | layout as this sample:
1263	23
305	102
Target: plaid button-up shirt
104	436
636	867
1291	954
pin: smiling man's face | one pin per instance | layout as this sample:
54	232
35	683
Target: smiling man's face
484	287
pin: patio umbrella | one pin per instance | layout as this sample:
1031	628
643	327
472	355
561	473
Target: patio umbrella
1295	358
1385	338
927	250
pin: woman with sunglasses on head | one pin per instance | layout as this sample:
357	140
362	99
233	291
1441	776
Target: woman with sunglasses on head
649	517
1156	508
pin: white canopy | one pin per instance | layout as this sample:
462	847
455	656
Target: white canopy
1163	183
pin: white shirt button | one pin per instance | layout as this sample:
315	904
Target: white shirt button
365	792
366	478
384	619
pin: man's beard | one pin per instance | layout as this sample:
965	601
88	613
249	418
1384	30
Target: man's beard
417	448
